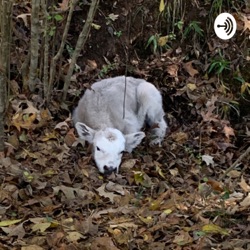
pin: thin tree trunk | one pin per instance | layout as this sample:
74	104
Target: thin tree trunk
34	43
2	109
46	48
5	28
80	44
56	58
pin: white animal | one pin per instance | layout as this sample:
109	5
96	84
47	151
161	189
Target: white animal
99	119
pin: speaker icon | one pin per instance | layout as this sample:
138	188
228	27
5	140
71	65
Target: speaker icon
228	26
225	26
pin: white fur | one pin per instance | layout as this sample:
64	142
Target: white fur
99	118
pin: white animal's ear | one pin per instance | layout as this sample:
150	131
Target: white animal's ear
86	133
133	140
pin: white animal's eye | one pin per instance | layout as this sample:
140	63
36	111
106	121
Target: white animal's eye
98	149
121	152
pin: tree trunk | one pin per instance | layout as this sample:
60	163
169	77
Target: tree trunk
5	28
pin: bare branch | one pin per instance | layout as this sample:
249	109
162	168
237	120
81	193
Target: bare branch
236	163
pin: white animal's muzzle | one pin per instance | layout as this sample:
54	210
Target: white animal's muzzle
109	170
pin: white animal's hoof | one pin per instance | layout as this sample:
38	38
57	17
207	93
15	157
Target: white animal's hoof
155	142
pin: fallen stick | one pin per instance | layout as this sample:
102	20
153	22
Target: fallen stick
236	163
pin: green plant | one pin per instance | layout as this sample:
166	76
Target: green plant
106	68
70	49
118	33
179	25
159	42
53	19
173	12
245	86
154	41
218	65
227	107
194	28
56	17
216	7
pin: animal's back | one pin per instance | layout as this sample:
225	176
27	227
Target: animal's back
102	105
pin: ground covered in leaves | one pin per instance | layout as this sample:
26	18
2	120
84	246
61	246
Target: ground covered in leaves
183	195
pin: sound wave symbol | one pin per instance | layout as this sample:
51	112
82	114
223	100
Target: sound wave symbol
228	26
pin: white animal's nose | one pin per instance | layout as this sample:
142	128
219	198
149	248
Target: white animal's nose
108	169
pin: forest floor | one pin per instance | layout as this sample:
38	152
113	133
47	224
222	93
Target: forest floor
183	195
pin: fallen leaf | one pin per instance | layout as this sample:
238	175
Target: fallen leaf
72	193
174	171
96	26
120	237
180	137
183	238
173	70
74	236
113	17
32	247
103	243
124	225
26	18
147	220
234	174
246	23
128	165
64	6
162	6
191	86
142	179
246	201
216	186
15	231
110	195
42	227
6	223
162	40
189	68
55	238
208	159
244	185
159	169
214	229
114	187
62	126
70	138
228	131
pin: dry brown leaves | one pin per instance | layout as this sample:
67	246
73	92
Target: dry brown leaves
52	196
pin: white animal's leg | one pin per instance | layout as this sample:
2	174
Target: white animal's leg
151	110
131	125
158	132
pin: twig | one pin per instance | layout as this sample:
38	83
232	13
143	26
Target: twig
236	163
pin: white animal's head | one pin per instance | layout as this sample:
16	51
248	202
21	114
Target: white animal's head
108	145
